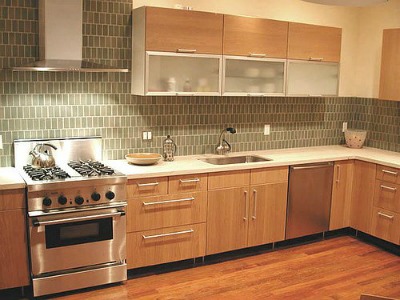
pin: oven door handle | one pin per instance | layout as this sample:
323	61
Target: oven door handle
37	223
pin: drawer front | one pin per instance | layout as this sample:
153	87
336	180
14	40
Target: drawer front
388	174
12	199
386	225
187	183
165	245
147	187
387	195
223	180
165	211
269	175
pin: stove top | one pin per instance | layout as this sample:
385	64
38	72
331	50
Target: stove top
91	168
38	174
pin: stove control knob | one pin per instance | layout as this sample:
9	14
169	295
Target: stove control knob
79	200
46	201
96	196
110	195
62	200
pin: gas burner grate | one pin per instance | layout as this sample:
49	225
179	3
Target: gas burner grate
90	168
38	174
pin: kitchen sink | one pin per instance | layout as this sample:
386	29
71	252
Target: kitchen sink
234	160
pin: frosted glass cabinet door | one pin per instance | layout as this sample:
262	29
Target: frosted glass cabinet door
312	78
253	76
183	74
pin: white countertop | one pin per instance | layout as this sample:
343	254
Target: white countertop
280	157
10	179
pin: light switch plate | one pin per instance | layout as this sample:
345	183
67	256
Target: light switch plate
267	129
344	128
1	142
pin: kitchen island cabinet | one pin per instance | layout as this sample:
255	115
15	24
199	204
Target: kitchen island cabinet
14	270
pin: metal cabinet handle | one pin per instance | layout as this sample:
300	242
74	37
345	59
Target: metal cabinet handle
316	58
189	180
37	223
257	54
255	204
146	237
168	201
388	188
390	172
315	95
256	94
247	207
385	215
182	50
338	174
147	184
185	94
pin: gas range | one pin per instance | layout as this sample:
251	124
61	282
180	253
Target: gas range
76	210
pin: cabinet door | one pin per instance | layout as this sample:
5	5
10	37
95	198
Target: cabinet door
252	76
182	74
13	250
227	219
362	196
341	195
386	225
174	30
312	78
267	213
389	88
255	37
311	42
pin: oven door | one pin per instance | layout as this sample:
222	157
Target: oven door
89	237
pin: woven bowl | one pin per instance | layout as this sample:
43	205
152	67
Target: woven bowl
355	138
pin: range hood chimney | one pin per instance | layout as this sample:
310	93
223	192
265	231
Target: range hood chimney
60	39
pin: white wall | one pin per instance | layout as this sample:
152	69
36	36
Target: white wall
360	60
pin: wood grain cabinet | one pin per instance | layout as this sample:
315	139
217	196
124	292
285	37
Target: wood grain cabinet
341	194
246	208
166	219
14	270
313	60
386	209
389	88
176	52
362	196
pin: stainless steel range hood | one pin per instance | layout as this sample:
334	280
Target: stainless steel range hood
60	39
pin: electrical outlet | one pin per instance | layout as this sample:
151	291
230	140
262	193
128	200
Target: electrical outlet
267	129
147	136
144	135
344	128
1	142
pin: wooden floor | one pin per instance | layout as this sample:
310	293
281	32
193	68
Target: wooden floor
337	268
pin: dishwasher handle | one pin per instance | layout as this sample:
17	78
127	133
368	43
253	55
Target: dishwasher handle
311	166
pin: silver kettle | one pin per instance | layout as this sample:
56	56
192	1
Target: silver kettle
42	157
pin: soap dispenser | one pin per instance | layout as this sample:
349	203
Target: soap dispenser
169	149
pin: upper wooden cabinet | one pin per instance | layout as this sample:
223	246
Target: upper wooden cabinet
389	88
174	30
312	42
255	37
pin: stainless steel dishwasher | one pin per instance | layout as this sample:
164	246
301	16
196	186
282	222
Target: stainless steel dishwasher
309	199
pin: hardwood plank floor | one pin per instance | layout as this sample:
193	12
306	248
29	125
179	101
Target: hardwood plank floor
336	268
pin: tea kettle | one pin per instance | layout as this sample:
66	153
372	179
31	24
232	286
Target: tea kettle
41	157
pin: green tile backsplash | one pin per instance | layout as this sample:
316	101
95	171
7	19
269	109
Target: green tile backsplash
47	104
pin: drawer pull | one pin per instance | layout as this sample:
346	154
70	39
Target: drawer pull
316	59
390	172
257	54
388	188
147	184
189	180
147	237
186	50
168	201
385	215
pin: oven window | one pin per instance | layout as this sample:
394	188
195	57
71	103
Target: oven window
78	233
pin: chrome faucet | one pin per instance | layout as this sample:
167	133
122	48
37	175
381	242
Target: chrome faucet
224	147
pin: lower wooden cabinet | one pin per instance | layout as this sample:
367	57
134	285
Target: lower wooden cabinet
386	225
14	270
362	196
159	246
341	194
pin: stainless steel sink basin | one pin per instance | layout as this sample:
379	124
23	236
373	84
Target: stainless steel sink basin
234	160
